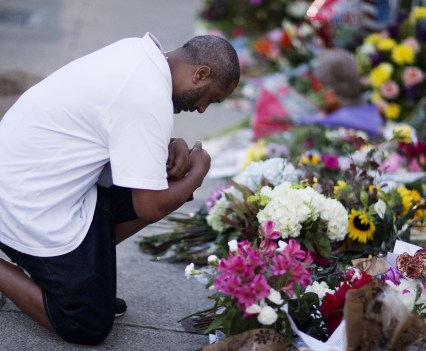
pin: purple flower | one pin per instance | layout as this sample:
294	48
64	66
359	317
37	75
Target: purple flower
394	275
277	150
256	2
215	196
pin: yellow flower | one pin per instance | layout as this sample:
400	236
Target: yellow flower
373	38
373	187
310	159
339	188
419	13
403	134
406	199
381	74
361	227
386	44
375	97
417	200
392	111
255	153
403	54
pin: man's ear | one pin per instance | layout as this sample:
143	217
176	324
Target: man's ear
201	74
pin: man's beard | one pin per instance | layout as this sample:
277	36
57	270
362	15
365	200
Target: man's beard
187	101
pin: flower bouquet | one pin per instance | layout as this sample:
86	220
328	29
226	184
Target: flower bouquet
282	290
250	17
285	47
393	64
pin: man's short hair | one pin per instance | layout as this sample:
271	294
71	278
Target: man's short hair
218	54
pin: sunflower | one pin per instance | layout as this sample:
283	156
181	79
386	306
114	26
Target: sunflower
361	226
406	199
417	200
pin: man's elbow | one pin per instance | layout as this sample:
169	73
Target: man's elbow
147	209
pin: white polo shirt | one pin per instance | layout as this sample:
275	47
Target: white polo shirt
114	105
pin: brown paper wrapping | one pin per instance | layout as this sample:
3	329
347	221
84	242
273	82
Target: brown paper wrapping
376	319
262	339
373	265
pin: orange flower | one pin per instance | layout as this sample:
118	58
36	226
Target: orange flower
262	46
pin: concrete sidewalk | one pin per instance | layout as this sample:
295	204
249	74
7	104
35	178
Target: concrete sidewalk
39	36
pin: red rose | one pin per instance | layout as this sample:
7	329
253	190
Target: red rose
329	305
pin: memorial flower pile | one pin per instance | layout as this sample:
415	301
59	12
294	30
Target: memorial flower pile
288	46
393	64
268	289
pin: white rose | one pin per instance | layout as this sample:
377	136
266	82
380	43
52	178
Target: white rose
267	316
275	297
189	270
233	245
253	309
213	260
319	288
281	246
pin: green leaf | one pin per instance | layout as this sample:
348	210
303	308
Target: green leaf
364	198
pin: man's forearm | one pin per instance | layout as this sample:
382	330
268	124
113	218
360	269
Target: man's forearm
153	205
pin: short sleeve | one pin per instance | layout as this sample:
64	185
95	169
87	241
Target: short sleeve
141	124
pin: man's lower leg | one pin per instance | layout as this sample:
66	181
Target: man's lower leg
23	292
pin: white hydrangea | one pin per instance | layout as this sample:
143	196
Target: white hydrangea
275	170
335	215
221	208
214	218
290	208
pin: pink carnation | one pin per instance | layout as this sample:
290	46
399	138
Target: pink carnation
330	161
389	90
412	76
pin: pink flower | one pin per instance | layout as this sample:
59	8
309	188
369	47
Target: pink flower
412	76
330	161
243	246
412	43
245	296
392	164
413	166
268	231
389	90
259	286
268	247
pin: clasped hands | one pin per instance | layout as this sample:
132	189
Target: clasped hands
182	159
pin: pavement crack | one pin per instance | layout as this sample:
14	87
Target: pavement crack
138	326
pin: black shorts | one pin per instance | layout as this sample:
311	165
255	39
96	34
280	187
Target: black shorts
79	288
